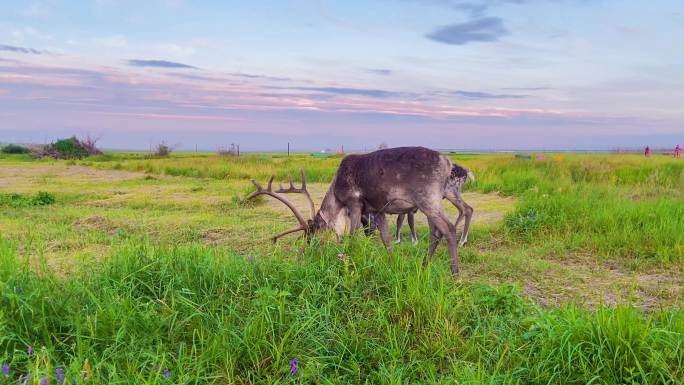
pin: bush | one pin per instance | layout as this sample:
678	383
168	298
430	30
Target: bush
18	200
233	150
43	199
70	148
14	149
163	149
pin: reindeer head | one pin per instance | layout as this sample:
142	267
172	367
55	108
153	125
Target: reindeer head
318	219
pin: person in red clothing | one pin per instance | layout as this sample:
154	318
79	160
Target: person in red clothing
647	151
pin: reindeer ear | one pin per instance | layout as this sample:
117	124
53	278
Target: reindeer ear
471	176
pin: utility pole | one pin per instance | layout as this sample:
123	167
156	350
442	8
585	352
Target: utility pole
288	149
238	148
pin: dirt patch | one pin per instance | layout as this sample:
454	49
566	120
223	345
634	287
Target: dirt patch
96	223
589	282
214	236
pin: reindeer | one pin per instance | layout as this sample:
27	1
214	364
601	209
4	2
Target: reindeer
459	176
389	181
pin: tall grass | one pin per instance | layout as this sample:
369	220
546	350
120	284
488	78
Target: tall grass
613	206
210	317
245	167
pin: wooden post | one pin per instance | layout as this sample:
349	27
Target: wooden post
238	148
288	148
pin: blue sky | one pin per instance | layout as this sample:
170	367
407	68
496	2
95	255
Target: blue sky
441	73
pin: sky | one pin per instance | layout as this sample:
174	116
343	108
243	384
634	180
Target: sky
447	74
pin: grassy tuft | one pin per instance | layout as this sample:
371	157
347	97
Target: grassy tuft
211	317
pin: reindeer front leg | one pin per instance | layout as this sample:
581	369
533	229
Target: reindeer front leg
464	211
435	237
381	221
355	212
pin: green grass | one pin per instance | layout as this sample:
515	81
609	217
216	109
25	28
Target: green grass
214	317
624	206
143	264
259	166
42	198
613	206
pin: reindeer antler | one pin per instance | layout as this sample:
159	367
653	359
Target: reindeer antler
302	190
303	225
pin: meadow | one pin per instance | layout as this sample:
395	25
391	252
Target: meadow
126	269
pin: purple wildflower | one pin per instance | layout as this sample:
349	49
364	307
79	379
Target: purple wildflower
166	373
44	381
29	350
294	368
59	376
5	369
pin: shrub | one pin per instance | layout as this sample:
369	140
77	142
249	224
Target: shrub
18	200
163	149
14	149
233	150
70	148
43	199
89	144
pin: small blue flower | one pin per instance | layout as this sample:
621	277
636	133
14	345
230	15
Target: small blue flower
294	368
29	350
44	381
166	373
6	369
59	376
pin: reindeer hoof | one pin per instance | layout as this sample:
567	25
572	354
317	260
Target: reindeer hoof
455	271
398	241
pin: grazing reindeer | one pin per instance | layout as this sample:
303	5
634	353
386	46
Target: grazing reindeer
390	181
459	176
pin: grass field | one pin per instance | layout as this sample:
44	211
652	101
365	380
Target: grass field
155	271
